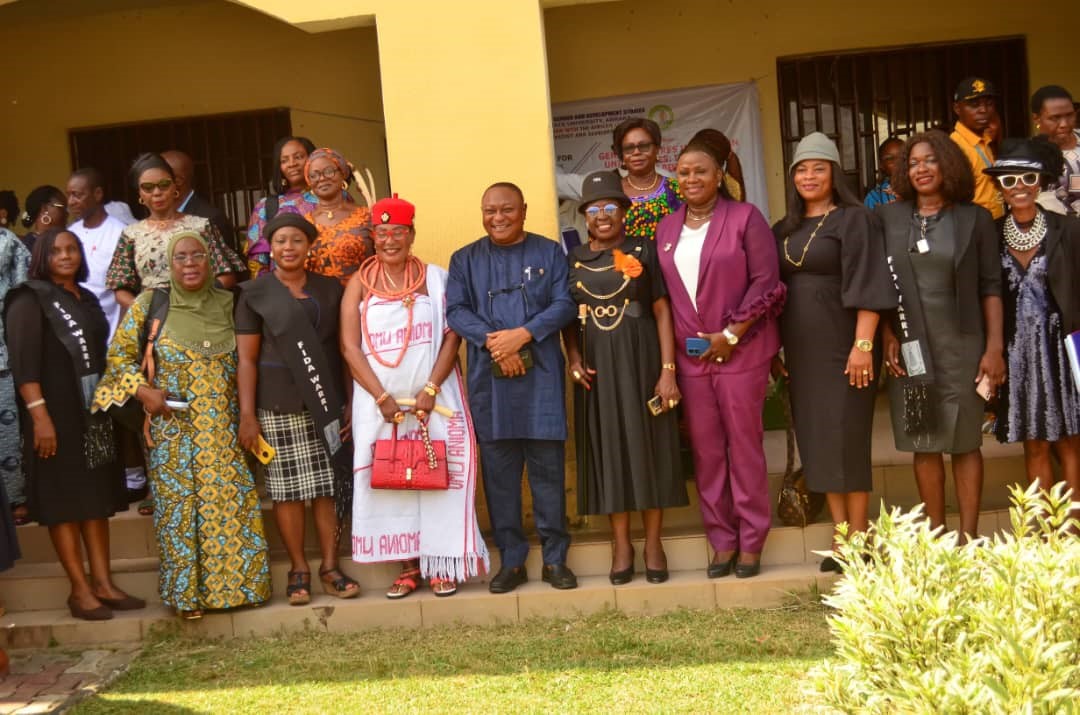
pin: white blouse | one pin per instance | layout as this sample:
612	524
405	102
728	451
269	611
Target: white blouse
688	257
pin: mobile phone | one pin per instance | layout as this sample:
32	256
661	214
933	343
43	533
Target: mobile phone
526	359
263	451
175	402
656	405
984	389
696	347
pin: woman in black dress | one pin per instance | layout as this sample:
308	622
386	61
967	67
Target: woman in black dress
621	356
56	332
832	258
944	344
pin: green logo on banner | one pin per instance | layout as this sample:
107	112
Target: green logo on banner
663	115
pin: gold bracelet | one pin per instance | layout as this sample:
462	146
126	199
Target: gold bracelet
35	403
668	366
432	389
382	398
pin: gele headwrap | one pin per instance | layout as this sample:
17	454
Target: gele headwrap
334	156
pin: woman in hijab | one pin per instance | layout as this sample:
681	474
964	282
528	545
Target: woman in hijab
206	511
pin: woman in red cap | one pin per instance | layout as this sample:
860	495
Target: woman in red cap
344	228
402	354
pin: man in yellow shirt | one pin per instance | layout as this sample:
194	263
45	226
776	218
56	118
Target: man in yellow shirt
973	103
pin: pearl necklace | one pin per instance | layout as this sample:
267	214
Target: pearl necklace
1019	241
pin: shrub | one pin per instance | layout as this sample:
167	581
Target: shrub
922	625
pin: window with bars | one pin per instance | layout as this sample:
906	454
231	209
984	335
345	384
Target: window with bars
231	153
861	98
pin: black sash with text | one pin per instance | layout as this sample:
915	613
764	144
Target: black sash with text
299	346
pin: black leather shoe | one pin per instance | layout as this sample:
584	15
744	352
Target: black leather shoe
747	570
508	579
559	576
618	578
721	570
829	564
656	575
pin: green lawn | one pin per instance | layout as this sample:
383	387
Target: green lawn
714	662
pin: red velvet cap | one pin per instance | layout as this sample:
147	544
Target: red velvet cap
393	210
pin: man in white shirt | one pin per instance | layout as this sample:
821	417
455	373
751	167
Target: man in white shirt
99	233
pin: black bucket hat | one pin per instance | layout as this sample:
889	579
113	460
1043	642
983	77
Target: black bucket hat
290	219
602	185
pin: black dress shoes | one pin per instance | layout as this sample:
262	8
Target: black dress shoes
559	576
747	570
830	564
508	579
656	575
618	578
722	569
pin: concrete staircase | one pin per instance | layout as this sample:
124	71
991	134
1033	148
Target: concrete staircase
35	591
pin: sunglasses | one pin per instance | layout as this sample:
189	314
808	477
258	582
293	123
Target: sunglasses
608	209
1008	181
149	186
643	147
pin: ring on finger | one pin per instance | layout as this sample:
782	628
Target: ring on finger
577	375
672	403
719	359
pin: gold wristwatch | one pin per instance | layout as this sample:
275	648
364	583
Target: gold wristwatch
864	346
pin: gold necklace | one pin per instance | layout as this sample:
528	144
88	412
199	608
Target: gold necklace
579	264
608	311
609	296
650	187
798	264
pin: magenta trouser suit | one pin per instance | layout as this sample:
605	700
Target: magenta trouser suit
739	279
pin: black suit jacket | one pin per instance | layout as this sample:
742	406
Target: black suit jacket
198	206
977	259
1063	266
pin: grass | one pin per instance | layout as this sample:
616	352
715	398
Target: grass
750	661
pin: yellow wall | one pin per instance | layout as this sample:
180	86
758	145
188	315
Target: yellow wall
644	45
69	67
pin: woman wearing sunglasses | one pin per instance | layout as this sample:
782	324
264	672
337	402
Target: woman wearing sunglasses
139	262
622	358
1040	258
46	208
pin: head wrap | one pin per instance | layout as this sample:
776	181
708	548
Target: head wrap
393	210
289	219
199	319
334	156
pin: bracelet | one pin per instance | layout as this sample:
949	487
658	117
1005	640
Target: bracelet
432	389
382	398
668	366
35	403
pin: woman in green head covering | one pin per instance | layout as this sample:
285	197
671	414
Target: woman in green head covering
206	511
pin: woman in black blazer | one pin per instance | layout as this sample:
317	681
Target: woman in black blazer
1040	260
945	340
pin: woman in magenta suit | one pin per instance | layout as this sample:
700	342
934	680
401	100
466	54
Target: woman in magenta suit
718	258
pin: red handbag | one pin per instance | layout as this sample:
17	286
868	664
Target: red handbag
410	463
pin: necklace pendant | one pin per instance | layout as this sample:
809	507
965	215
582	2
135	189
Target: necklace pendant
408	300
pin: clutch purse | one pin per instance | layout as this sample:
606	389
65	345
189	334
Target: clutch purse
410	463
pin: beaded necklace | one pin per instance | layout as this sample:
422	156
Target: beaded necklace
378	283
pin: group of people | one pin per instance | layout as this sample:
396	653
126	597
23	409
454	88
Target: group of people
328	349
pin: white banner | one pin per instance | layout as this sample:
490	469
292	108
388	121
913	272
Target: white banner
582	129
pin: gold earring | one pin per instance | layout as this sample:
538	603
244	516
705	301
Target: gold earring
344	185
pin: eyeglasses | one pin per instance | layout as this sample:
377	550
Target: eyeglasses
183	259
1008	181
149	186
328	173
595	211
643	147
383	234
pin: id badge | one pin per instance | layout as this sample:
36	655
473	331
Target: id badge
332	433
913	358
922	246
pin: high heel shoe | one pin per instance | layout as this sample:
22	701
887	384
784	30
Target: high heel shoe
722	569
748	570
618	578
655	575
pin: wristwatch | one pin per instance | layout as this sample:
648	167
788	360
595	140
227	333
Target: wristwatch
864	346
732	338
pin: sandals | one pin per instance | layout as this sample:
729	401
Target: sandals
338	584
146	507
407	582
190	615
299	589
443	587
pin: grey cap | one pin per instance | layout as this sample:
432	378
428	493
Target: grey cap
815	146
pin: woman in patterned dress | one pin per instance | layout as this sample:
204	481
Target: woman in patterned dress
653	196
1040	257
344	228
139	262
288	194
207	514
